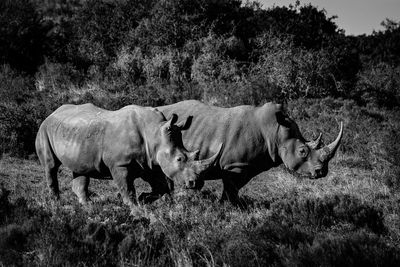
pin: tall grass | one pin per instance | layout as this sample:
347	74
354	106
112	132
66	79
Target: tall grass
346	219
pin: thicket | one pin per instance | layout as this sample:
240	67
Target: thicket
227	52
197	231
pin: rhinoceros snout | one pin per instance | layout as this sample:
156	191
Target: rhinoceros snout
194	184
319	173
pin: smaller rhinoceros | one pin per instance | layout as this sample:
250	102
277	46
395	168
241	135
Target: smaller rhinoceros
123	145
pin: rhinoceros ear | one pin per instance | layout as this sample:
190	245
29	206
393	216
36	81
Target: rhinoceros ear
282	118
174	118
171	121
184	125
159	112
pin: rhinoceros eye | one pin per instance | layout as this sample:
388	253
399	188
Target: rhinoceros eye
303	152
179	158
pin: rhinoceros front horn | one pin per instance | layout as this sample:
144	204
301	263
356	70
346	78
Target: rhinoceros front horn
329	151
202	165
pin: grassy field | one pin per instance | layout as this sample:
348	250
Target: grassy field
225	53
349	218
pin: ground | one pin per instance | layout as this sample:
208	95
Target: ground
348	218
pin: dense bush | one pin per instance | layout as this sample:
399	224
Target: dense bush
199	231
330	211
14	86
17	129
355	249
379	85
22	35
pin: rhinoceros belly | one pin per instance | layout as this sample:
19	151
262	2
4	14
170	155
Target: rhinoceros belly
79	147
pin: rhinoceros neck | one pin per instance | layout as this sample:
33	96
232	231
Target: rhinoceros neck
151	136
269	127
242	130
133	130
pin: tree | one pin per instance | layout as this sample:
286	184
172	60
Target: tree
309	26
22	35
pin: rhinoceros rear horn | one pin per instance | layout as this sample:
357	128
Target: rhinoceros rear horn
202	165
315	143
329	151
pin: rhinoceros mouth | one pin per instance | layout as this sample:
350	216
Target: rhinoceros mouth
191	187
300	175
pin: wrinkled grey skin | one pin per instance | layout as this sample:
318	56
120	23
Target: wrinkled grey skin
123	145
255	139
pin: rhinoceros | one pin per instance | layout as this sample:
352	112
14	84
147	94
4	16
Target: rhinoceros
123	145
255	139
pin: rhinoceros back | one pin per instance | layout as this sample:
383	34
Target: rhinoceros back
75	134
237	128
85	137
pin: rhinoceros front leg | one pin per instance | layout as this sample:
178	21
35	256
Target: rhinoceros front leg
80	186
233	182
160	185
125	184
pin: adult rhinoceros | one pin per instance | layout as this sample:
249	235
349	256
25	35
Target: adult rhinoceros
124	144
255	139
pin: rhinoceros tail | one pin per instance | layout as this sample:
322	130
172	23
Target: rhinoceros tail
48	160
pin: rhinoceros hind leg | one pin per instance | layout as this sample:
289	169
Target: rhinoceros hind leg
52	181
80	186
50	164
125	184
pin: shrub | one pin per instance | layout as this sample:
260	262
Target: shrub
4	203
328	211
296	71
18	129
387	155
149	248
129	65
212	63
353	249
379	85
14	86
56	77
12	243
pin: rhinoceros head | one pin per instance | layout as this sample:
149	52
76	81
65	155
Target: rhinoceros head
305	159
177	163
